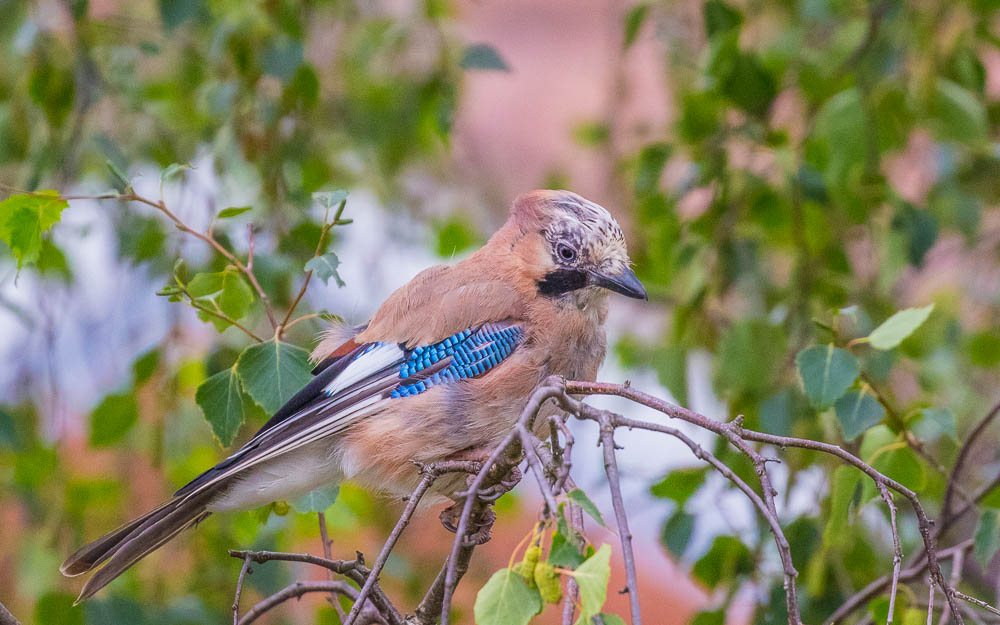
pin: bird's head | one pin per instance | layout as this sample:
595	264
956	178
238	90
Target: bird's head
572	245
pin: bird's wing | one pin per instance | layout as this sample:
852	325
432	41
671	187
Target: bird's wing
358	383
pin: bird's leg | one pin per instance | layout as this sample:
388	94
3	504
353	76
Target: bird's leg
481	523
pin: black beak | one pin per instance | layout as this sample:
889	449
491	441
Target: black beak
625	283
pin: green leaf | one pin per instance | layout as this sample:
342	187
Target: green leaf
856	412
652	159
506	600
715	617
221	401
176	12
888	453
316	500
844	494
455	235
983	348
24	218
112	419
934	421
957	114
893	330
986	540
749	357
992	499
233	211
172	170
677	532
726	559
225	289
145	365
826	373
272	372
119	180
634	19
670	364
482	56
608	619
57	607
325	267
563	553
679	484
580	498
592	577
720	17
330	199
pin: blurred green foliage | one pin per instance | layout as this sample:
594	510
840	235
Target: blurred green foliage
784	223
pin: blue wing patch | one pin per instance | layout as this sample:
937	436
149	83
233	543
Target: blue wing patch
472	354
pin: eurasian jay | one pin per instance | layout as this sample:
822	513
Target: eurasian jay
444	367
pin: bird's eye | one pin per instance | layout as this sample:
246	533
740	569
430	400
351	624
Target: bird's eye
566	252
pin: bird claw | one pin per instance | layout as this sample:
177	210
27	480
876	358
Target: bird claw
482	529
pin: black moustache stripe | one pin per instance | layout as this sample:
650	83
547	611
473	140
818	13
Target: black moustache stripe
561	281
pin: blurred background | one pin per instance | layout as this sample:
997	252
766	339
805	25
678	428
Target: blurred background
787	173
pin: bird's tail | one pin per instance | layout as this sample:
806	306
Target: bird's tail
133	541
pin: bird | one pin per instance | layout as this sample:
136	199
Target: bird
443	367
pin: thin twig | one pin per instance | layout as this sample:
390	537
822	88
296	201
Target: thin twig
614	484
897	551
294	591
979	602
671	410
239	590
383	556
6	618
956	577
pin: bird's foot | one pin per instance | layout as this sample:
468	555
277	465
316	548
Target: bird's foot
482	528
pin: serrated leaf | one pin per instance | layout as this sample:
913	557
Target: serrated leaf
329	199
581	499
826	373
24	218
506	600
316	500
986	540
856	412
273	371
633	22
221	401
112	419
592	578
893	330
483	56
233	211
679	484
225	289
325	267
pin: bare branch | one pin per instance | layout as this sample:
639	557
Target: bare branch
897	551
614	484
239	590
294	591
6	618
